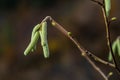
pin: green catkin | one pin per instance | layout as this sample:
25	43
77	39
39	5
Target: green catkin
32	43
107	7
110	56
35	29
114	46
118	46
44	42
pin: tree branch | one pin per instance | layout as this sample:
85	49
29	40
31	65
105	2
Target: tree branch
99	3
99	59
81	49
107	25
86	51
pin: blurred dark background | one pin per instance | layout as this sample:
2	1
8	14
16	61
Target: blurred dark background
82	17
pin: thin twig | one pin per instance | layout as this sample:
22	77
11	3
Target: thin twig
99	59
87	52
107	24
81	49
96	68
99	3
108	38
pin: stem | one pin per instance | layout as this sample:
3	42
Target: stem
107	25
96	68
78	45
99	3
99	59
81	49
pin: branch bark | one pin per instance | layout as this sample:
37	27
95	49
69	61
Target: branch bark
107	25
83	51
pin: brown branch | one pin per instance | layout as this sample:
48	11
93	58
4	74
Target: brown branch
86	51
107	25
99	3
99	59
81	49
96	68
